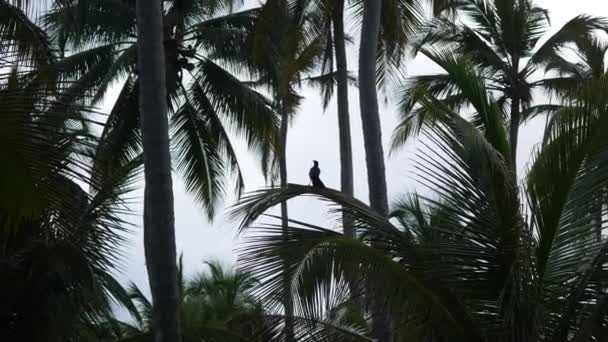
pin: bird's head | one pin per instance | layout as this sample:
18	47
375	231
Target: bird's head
315	162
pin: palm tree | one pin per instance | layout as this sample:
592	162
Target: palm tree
382	46
346	149
328	15
60	243
384	37
399	19
283	60
47	76
467	263
504	39
372	136
387	28
213	305
206	102
159	221
202	98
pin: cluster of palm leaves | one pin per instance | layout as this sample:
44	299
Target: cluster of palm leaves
61	224
214	305
483	252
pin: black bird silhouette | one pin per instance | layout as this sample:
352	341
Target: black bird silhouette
314	174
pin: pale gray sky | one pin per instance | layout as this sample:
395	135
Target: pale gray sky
314	135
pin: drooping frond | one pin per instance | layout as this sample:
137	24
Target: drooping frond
197	155
578	28
425	100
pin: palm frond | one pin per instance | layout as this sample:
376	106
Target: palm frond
243	109
120	141
327	83
576	29
84	23
197	153
23	39
313	259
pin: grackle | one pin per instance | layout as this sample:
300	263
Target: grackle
314	174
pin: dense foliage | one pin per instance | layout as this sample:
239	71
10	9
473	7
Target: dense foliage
483	252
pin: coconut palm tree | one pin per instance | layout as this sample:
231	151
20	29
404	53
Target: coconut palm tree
566	71
203	99
50	116
372	135
328	15
284	60
387	28
60	242
383	45
346	149
507	40
467	262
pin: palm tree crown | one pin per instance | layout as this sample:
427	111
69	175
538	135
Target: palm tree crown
506	41
206	101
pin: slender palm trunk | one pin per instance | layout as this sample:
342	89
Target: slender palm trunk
159	230
515	113
514	133
287	302
372	135
368	99
346	149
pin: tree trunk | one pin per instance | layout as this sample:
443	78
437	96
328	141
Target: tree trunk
517	86
346	149
368	99
287	302
159	230
514	133
372	135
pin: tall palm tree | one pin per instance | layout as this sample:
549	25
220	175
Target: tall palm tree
346	149
329	17
159	220
506	40
283	60
379	50
372	137
382	46
467	263
387	29
399	19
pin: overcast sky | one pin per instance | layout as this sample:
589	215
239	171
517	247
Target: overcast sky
314	135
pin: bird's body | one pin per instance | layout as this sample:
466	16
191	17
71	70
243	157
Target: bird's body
314	174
